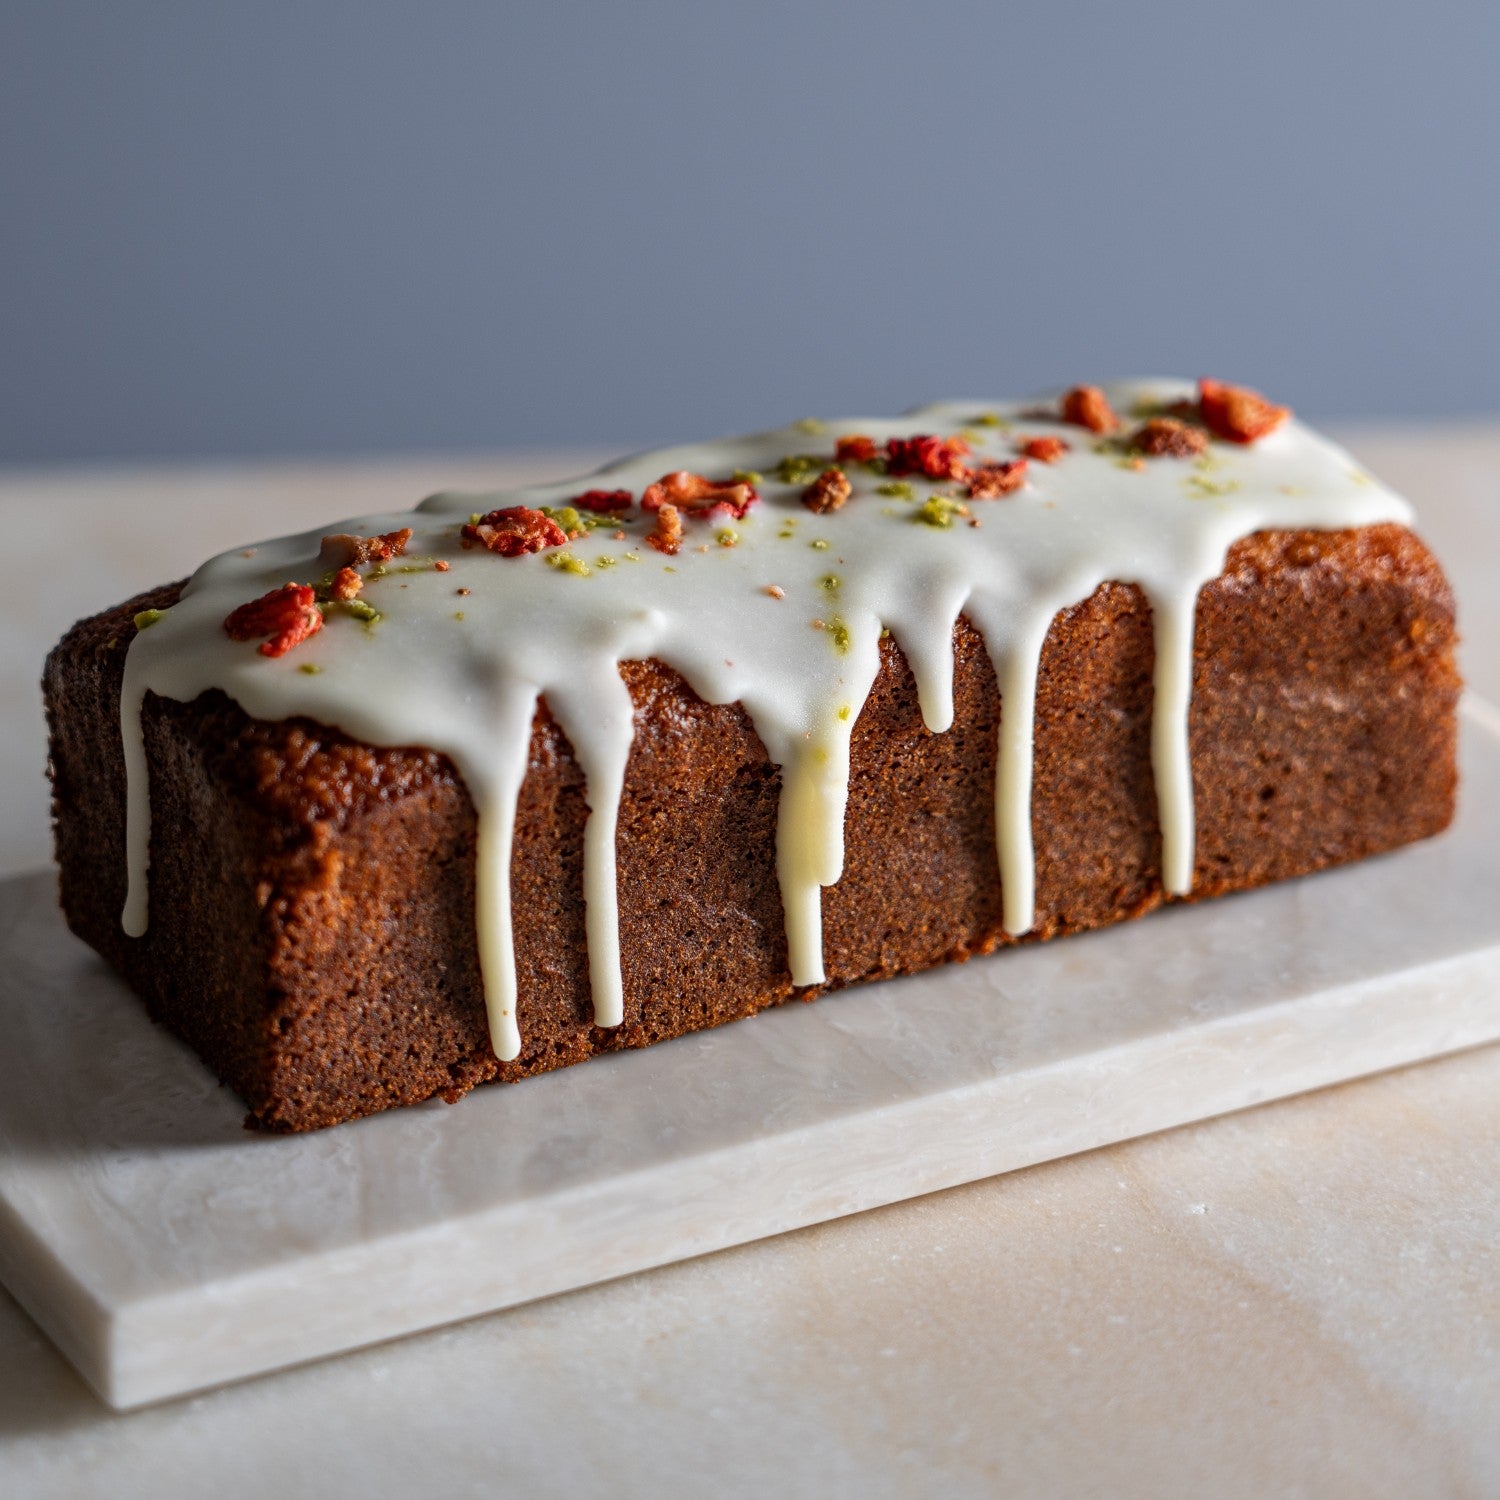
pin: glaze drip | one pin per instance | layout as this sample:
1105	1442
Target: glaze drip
780	611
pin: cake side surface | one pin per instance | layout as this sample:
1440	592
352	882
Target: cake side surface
314	898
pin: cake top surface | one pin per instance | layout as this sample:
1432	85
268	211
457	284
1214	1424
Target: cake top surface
765	569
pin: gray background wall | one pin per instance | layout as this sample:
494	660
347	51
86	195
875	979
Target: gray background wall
359	224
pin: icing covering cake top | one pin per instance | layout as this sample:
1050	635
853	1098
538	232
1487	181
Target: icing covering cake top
765	570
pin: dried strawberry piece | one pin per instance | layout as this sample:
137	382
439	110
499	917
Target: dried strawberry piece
347	551
513	531
1088	406
346	584
288	615
856	449
937	458
668	534
991	481
1237	413
1045	450
1167	437
698	496
828	491
604	501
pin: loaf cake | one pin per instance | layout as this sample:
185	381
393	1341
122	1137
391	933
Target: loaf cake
416	802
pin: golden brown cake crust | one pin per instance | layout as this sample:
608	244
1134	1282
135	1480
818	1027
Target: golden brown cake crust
312	931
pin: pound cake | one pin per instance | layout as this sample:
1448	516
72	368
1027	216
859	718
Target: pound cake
416	802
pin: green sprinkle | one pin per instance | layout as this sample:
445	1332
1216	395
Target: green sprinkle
631	556
800	468
988	419
844	711
810	425
356	608
838	633
572	520
897	489
830	583
566	562
458	614
728	537
1208	488
148	617
938	511
605	562
745	476
476	518
310	669
885	633
669	569
818	545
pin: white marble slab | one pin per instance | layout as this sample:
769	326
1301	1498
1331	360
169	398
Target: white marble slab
165	1250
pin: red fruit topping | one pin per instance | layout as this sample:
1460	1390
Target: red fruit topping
1088	406
603	500
346	584
513	532
827	492
288	615
1237	413
346	551
1167	437
1045	450
668	534
991	481
937	458
856	449
699	496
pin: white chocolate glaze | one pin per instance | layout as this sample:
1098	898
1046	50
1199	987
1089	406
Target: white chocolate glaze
462	673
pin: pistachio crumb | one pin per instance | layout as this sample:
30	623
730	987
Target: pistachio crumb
818	544
939	511
148	617
310	669
845	710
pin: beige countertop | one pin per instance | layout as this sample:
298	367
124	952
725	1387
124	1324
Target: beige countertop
1300	1300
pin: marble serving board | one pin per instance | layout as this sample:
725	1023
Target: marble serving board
165	1249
